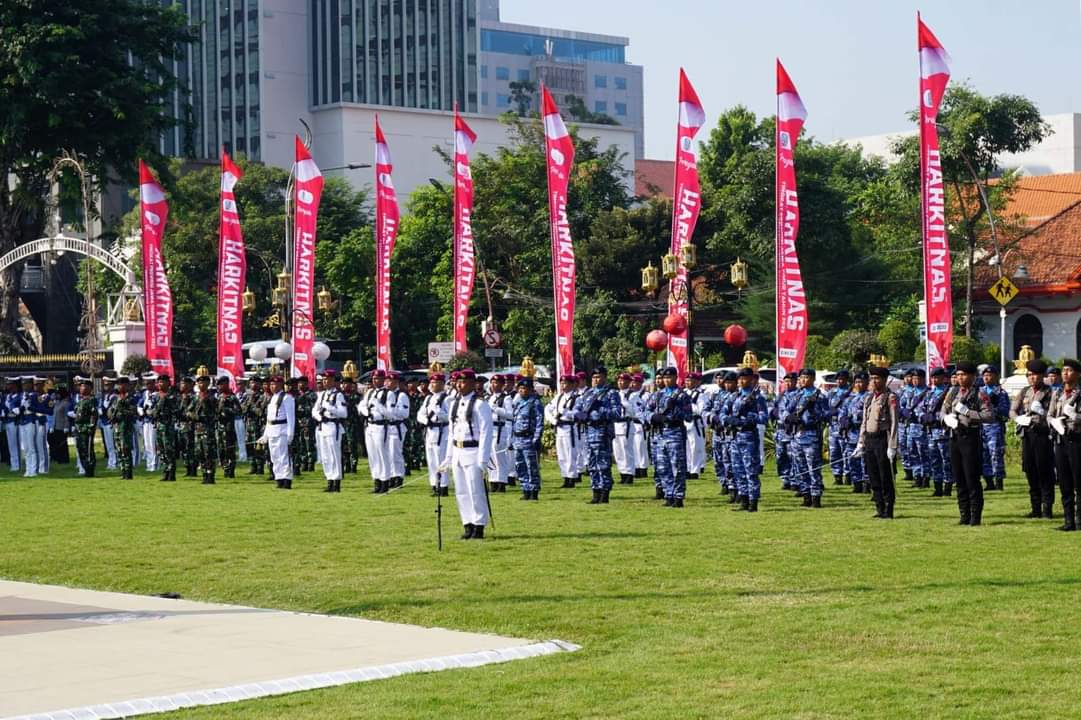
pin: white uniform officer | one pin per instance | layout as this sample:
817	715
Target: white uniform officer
397	413
624	430
561	414
501	403
373	409
468	453
639	396
432	414
280	426
329	411
147	398
696	428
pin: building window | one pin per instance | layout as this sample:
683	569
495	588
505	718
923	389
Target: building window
600	106
523	76
484	72
502	73
484	98
621	109
1028	331
600	81
621	83
502	100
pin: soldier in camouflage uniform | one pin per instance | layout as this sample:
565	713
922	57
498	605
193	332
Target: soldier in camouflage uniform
164	412
86	421
296	446
306	424
122	417
228	411
351	431
254	410
414	439
202	414
185	436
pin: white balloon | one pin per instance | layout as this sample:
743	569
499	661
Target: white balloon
283	350
321	351
257	353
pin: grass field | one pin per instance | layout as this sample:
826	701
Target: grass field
700	612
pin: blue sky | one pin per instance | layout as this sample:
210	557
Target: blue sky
853	61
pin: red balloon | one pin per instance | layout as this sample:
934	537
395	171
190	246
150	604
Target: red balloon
657	340
735	336
675	324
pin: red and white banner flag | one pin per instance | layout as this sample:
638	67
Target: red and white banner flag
386	230
232	276
791	298
560	158
465	271
308	188
934	75
685	209
157	297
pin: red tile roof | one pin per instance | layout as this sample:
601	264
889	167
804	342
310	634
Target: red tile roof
1039	198
654	177
1050	252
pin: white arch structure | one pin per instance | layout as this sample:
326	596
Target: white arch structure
66	243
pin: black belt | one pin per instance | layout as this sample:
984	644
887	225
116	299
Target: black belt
523	433
672	424
437	425
500	424
875	435
334	421
598	423
278	422
622	420
381	422
565	423
466	444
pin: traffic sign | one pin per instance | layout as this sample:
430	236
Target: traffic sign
492	338
493	352
440	352
1003	290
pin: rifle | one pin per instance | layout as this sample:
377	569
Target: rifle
439	516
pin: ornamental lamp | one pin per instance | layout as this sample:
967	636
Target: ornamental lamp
650	279
669	266
349	370
688	256
280	294
325	300
750	360
247	299
529	369
739	274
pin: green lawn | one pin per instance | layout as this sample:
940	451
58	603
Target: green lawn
700	612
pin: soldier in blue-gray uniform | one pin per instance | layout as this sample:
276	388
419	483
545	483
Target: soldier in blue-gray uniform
722	436
938	441
597	408
804	426
744	412
783	404
994	433
851	419
835	402
669	408
527	426
912	431
903	396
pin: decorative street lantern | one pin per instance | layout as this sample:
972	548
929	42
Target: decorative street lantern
739	274
280	294
669	266
248	301
325	300
688	256
650	279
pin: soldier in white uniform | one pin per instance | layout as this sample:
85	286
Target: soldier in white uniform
280	427
372	408
581	384
329	413
623	441
145	426
108	439
696	428
502	415
397	413
433	416
242	395
468	454
561	414
640	424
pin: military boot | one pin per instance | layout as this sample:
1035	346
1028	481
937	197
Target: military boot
880	510
445	491
604	496
1046	512
337	486
596	498
752	506
659	495
816	501
908	474
468	530
947	490
733	496
938	489
889	511
567	483
478	532
999	482
1035	511
977	513
329	487
807	500
677	502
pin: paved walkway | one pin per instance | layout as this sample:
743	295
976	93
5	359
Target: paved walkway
67	653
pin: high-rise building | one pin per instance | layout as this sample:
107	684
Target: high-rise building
591	67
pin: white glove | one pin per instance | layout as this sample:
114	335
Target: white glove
858	452
1070	411
951	421
891	453
1036	407
1023	420
960	408
1057	424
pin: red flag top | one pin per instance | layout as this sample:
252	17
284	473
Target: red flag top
559	159
464	259
386	230
157	296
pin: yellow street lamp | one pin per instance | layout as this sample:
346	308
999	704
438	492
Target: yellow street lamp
650	279
739	274
669	266
247	300
280	294
688	256
325	300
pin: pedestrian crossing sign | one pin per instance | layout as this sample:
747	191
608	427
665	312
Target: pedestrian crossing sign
1003	290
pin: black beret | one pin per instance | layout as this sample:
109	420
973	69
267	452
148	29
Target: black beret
809	372
745	372
919	372
966	367
909	373
1073	364
791	376
600	370
1053	371
861	376
524	382
991	369
667	372
842	375
1036	366
730	376
938	372
878	372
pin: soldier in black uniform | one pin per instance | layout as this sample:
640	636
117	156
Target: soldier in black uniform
964	410
1029	412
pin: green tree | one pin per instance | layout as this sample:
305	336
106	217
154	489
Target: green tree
575	108
521	95
898	339
975	131
853	348
91	76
